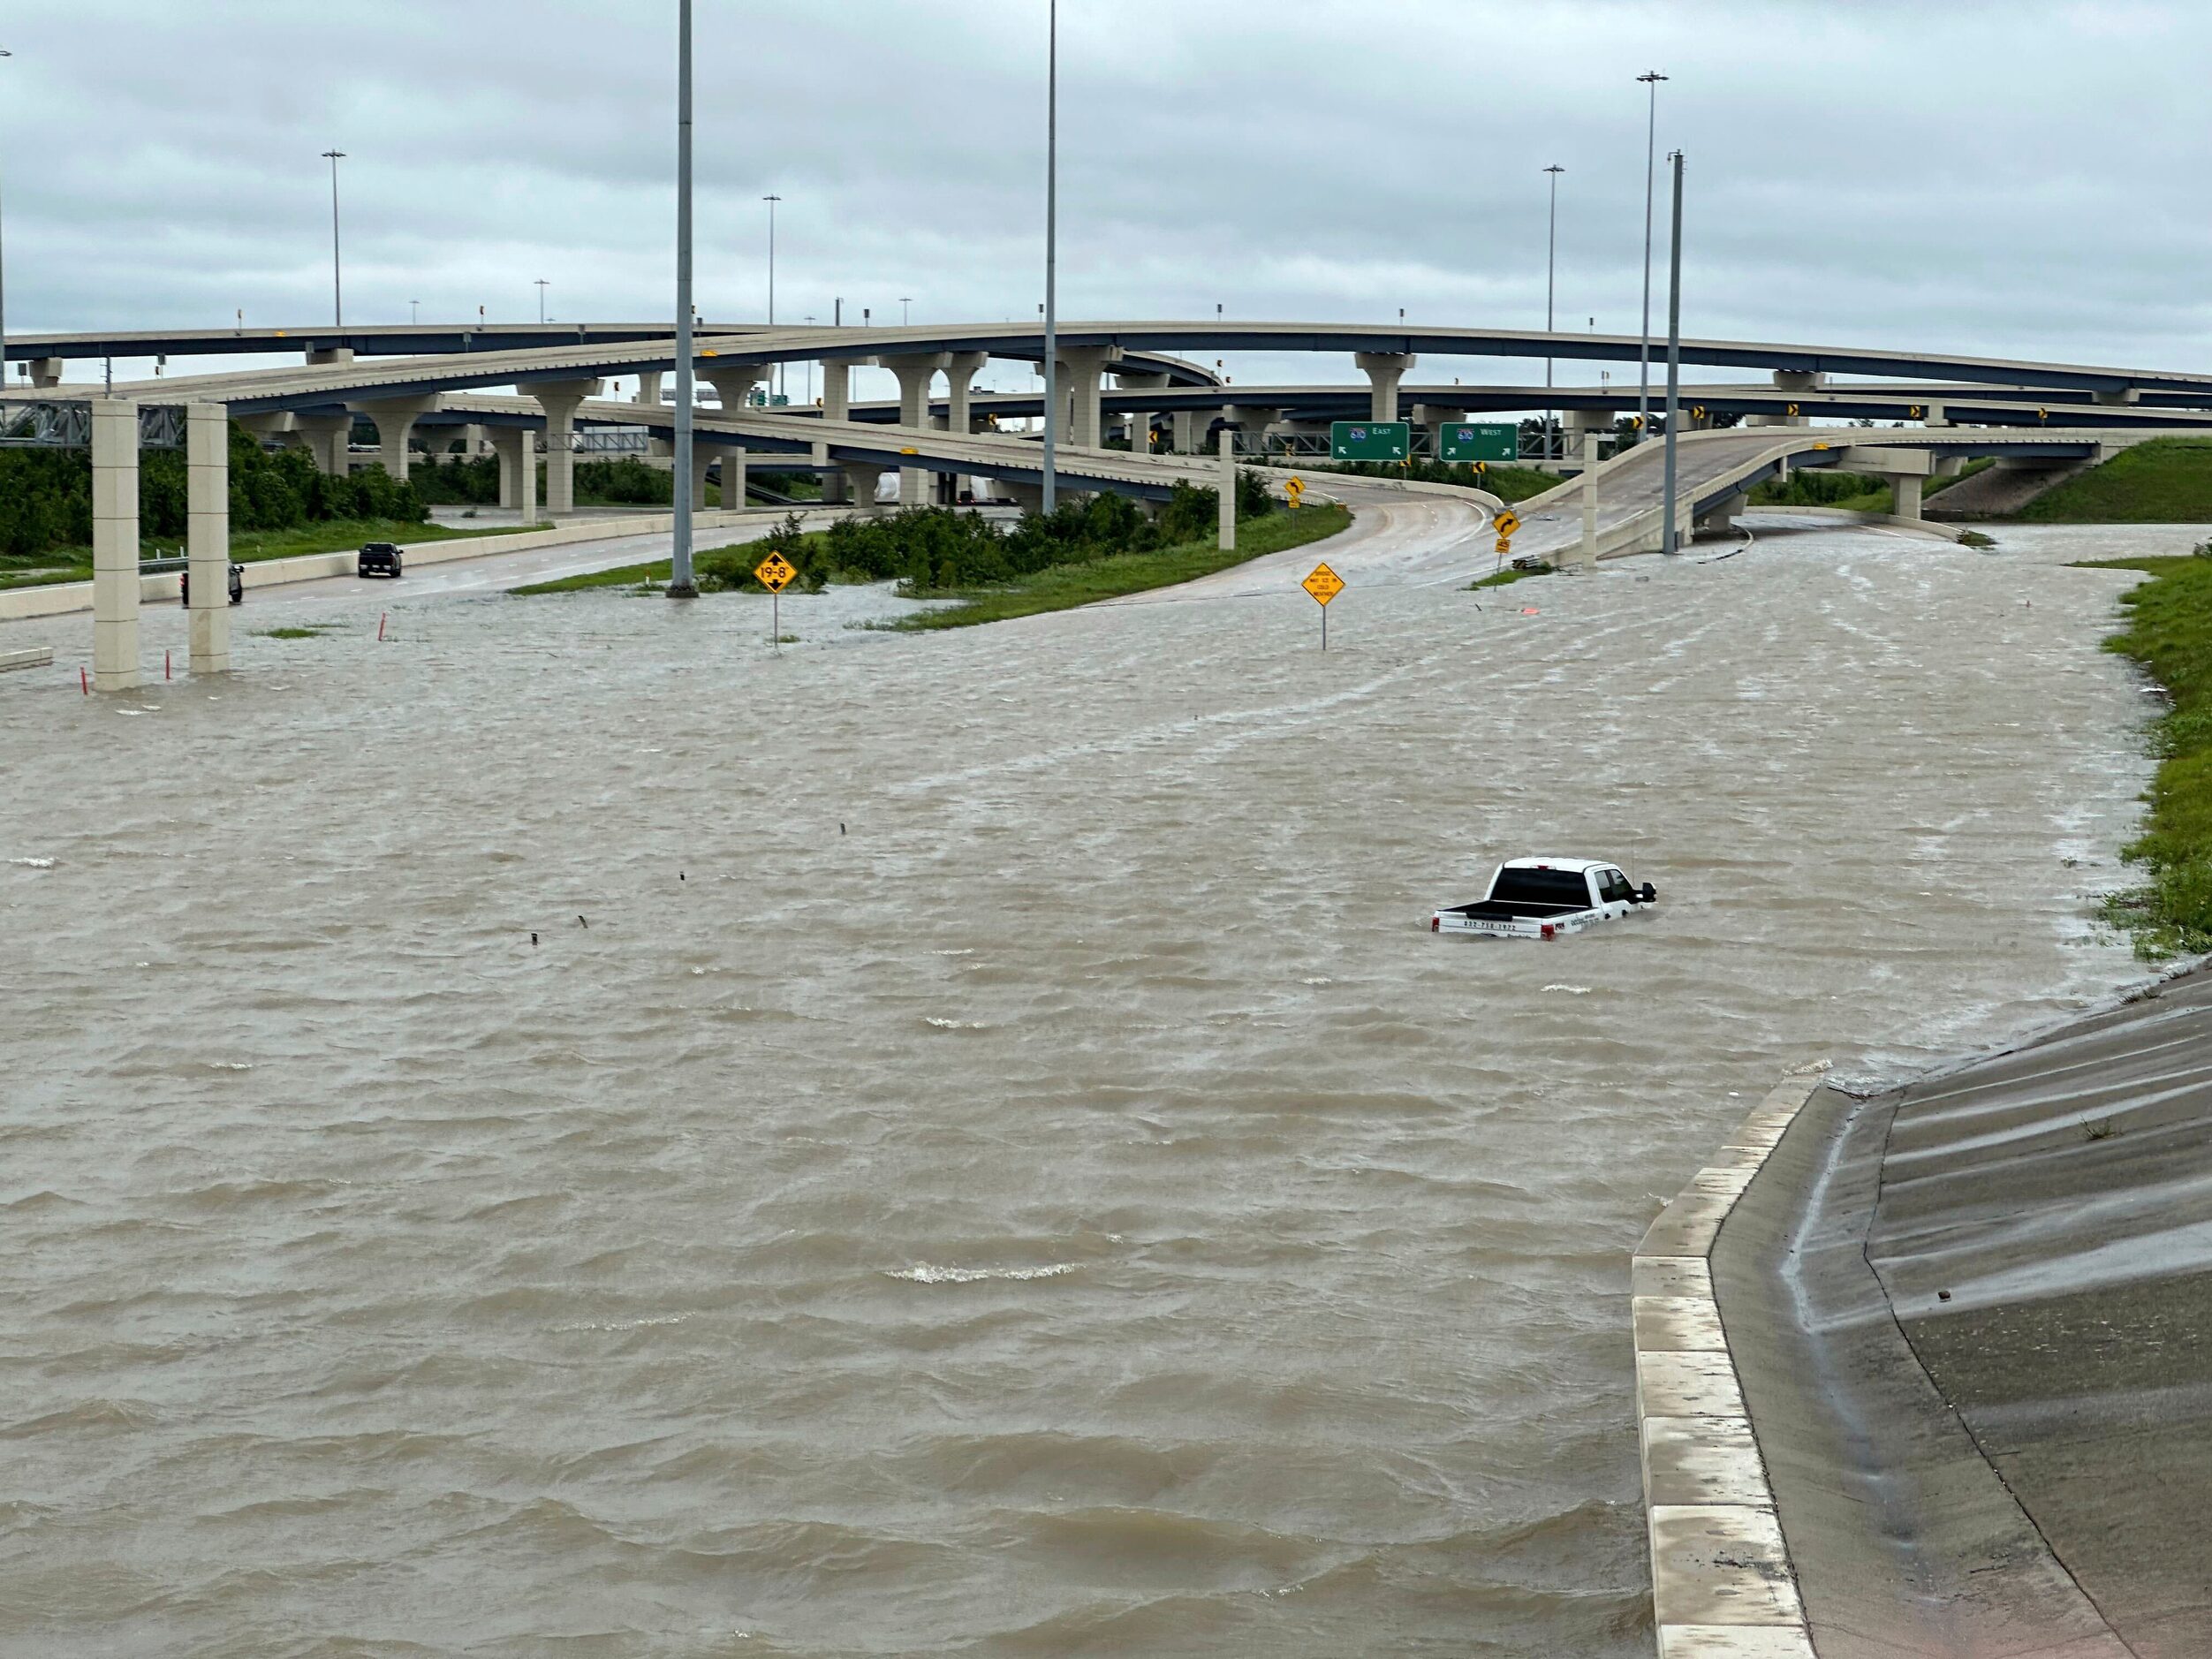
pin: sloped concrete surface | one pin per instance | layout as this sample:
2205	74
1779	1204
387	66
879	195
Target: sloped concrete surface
1972	1324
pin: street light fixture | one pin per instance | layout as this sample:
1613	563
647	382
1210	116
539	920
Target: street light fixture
902	303
415	311
1650	78
543	285
1551	263
337	290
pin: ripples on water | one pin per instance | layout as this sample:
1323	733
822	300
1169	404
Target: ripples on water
1077	1209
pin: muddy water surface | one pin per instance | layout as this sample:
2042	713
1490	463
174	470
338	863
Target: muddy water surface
983	1155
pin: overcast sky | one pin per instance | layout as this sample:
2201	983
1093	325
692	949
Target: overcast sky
2004	176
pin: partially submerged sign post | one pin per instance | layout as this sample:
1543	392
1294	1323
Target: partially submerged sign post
1324	584
1505	523
775	573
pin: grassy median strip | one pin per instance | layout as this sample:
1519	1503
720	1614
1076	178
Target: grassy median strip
723	564
1064	586
2170	633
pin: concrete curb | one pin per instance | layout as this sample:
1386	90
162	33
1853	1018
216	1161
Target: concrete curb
1722	1585
57	598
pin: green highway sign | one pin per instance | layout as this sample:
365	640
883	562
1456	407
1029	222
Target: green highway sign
1368	440
1456	441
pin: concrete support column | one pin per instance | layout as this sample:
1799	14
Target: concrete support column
649	388
114	543
46	373
960	370
733	463
734	385
559	399
837	405
1141	421
329	356
702	459
1227	486
1254	421
1082	371
1904	494
330	440
1589	499
1434	418
1028	497
1577	422
915	372
1185	431
395	420
1384	370
208	534
518	450
860	482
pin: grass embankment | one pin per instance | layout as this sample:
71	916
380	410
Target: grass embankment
655	572
2166	481
1064	586
2170	633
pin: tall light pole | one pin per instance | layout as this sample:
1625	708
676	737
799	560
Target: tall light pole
1052	255
903	313
1650	78
1551	267
543	285
771	202
414	313
1674	352
3	302
810	373
680	584
337	290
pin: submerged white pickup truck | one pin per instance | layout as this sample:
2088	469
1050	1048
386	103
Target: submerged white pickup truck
1541	899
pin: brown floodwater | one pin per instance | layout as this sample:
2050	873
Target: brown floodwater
982	1154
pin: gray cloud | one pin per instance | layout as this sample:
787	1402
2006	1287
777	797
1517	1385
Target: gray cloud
2016	177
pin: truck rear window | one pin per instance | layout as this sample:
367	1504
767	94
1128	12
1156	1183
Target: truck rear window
1543	887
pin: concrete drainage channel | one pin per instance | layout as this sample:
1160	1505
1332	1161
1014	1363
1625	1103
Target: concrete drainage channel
1721	1583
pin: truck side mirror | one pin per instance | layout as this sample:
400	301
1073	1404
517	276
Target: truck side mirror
1648	895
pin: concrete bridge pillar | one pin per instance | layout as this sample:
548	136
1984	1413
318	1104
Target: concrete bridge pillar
1028	497
1904	494
1577	422
46	373
114	543
395	419
1789	379
1253	420
1435	417
1384	370
559	399
328	439
734	385
702	459
1225	486
1082	371
517	448
649	388
1187	430
208	534
1141	421
837	405
859	483
329	356
915	372
733	467
960	370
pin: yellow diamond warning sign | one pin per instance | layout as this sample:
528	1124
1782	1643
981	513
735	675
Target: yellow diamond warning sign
1324	584
774	573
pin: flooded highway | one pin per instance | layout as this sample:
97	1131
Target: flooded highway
566	1131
